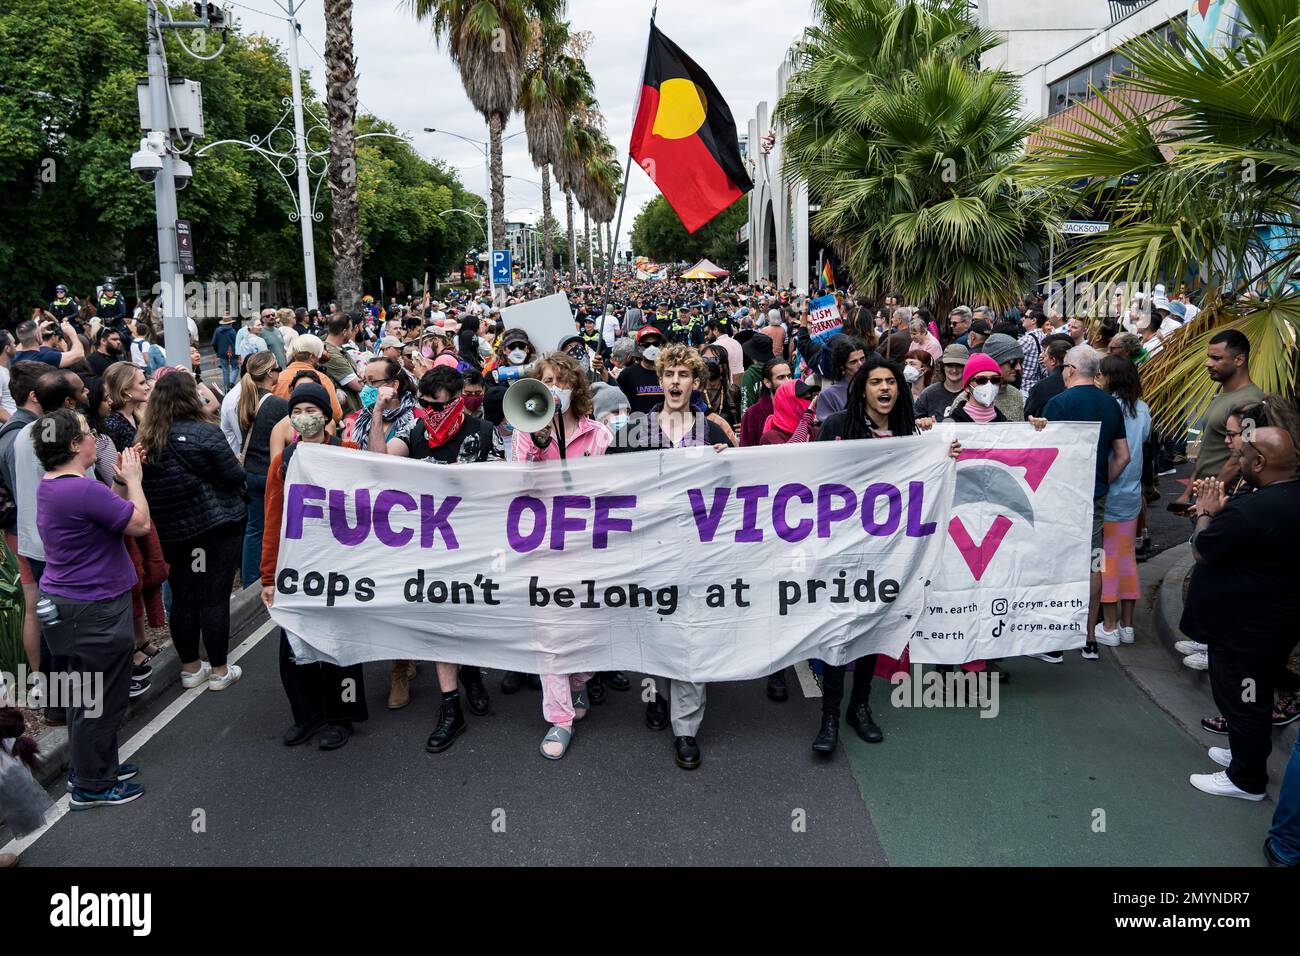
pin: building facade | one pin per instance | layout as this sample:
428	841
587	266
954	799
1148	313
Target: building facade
1061	50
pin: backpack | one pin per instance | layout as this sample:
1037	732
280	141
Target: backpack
8	506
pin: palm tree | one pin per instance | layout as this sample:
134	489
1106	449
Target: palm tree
341	108
907	146
487	40
569	171
602	180
550	91
1202	188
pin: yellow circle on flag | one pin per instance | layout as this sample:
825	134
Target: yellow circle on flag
681	109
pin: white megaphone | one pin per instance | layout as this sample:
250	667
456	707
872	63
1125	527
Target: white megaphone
529	405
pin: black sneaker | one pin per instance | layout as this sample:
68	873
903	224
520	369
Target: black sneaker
139	685
1051	657
141	670
596	690
1090	652
617	680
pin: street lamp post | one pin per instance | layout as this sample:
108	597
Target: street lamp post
482	147
305	221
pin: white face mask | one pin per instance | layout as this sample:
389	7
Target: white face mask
651	353
985	394
562	396
911	373
517	356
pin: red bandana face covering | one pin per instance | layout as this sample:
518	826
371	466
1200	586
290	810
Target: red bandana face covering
440	426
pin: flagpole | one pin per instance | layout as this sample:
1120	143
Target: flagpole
622	199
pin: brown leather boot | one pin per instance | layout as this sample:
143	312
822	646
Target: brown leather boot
399	686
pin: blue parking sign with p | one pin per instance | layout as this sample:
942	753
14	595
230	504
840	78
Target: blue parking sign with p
501	266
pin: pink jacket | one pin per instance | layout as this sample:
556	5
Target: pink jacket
592	439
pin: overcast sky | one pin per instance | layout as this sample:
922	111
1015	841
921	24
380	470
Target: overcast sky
407	80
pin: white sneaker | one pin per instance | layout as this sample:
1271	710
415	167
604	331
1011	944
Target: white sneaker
1127	635
1219	785
1197	662
233	673
1103	636
200	676
1221	755
1190	647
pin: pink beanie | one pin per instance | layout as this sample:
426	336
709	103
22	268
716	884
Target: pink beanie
979	362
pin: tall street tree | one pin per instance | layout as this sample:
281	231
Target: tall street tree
341	108
488	41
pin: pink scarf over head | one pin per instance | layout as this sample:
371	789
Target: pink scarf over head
786	409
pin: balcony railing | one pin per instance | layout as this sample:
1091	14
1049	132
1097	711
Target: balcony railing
1119	9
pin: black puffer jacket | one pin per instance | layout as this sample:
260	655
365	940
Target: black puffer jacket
196	485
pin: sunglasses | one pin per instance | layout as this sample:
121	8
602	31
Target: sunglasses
986	380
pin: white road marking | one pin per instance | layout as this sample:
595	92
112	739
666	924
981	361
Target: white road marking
806	680
147	733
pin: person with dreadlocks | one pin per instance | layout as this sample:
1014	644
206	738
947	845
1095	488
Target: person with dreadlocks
878	405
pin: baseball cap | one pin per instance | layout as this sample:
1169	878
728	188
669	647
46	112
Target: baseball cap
649	330
390	342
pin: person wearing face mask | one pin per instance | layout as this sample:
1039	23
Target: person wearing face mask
473	392
514	354
576	347
640	382
918	370
442	434
317	692
564	696
377	374
981	380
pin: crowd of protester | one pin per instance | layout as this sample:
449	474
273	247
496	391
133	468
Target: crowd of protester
127	484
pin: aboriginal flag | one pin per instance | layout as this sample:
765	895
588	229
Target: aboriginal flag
685	137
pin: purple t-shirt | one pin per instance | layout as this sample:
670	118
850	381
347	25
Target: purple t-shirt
81	523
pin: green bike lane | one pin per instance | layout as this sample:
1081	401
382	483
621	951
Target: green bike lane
1079	768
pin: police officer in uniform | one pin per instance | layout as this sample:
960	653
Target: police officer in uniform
64	307
112	308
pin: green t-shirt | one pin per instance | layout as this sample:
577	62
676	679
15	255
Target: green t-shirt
340	369
1214	437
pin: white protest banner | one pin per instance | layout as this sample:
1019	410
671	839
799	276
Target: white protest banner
824	319
687	563
1014	575
546	320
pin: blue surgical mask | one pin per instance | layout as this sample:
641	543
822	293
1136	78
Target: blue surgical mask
369	395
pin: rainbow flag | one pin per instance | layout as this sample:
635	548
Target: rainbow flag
827	276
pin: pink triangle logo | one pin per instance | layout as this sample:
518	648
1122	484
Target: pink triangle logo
978	556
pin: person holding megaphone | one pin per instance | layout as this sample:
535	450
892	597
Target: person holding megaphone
570	433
